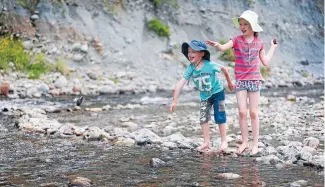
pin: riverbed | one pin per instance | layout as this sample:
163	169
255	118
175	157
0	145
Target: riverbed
36	159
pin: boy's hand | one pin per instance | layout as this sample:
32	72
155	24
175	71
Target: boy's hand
212	43
172	107
231	86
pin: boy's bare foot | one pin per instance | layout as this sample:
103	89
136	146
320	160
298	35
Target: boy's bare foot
222	147
254	150
242	148
204	147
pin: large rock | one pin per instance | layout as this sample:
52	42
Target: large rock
61	82
95	133
290	152
156	163
120	132
30	92
311	142
169	130
145	136
130	126
125	142
67	129
78	57
228	176
269	159
270	150
299	183
79	181
176	138
28	45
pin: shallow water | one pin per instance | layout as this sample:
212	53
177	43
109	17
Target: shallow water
31	160
37	160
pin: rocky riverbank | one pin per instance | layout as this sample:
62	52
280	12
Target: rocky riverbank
291	127
94	52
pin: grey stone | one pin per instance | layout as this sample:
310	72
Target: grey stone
34	17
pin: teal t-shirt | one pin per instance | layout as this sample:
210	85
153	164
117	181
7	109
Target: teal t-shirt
206	79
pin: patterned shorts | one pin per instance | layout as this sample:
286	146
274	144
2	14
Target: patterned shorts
217	100
249	85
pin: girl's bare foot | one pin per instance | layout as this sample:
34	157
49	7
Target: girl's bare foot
242	148
254	150
204	147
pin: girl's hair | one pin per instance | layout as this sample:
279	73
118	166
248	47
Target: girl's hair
256	34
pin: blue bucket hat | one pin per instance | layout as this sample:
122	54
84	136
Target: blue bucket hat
196	46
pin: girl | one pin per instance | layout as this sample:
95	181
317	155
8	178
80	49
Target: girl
204	75
249	51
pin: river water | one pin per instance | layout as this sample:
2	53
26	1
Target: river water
37	160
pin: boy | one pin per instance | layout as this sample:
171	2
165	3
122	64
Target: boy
204	74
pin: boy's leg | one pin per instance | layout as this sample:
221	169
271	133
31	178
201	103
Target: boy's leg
254	100
221	118
242	109
223	134
205	107
206	136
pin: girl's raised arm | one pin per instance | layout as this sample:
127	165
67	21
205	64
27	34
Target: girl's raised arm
265	59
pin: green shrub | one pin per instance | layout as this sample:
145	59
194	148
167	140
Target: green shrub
12	50
227	55
320	6
37	67
114	6
265	71
250	2
156	2
157	26
173	3
29	4
231	64
305	74
61	66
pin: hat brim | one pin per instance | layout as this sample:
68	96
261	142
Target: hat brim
255	27
185	51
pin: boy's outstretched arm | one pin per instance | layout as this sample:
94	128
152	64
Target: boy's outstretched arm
265	59
219	46
230	84
177	91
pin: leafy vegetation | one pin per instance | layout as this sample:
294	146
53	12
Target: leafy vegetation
227	55
320	6
62	67
157	26
305	74
250	2
265	71
113	6
156	2
173	3
37	67
12	50
29	4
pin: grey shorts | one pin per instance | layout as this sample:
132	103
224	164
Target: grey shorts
217	100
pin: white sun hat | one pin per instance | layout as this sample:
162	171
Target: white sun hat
251	17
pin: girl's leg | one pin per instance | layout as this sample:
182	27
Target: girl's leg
206	136
223	134
254	100
242	109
